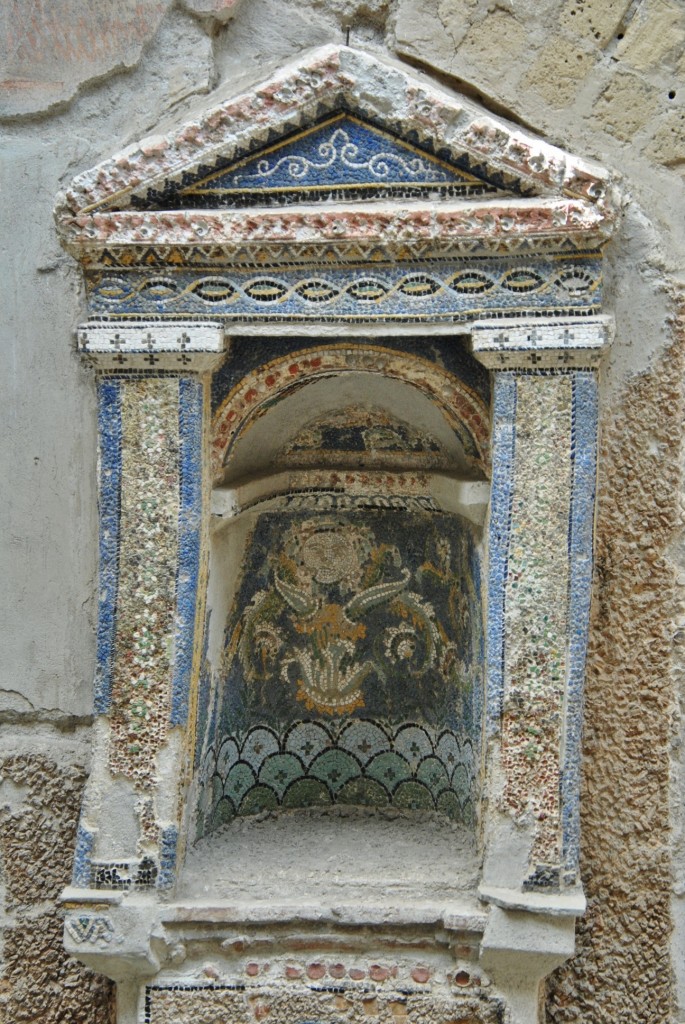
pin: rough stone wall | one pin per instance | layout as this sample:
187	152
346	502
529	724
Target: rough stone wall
622	971
603	78
40	797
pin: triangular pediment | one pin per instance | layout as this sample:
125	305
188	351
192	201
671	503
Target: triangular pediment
340	158
339	123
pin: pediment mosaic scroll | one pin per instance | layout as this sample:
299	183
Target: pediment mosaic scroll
346	329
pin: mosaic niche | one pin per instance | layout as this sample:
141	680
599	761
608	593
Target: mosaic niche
351	668
362	437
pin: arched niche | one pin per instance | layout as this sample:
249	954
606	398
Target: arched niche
344	652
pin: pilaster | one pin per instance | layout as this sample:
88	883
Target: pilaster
540	572
153	479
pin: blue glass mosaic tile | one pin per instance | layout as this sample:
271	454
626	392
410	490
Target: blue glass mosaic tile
504	441
584	456
191	398
342	157
449	290
109	417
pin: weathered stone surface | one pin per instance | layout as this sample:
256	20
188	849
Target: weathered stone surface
218	10
655	36
52	47
499	32
559	71
595	21
437	25
668	143
39	805
620	971
626	105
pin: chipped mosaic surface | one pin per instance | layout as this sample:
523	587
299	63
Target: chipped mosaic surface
444	290
536	607
297	96
350	670
249	354
406	229
208	1004
461	403
151	496
342	158
147	562
366	437
581	537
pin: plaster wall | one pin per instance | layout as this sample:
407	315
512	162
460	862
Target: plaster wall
603	78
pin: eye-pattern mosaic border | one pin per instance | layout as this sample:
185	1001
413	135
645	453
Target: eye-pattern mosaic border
433	292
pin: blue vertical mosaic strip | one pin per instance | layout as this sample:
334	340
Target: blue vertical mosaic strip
109	424
503	445
82	858
167	857
475	562
581	528
190	413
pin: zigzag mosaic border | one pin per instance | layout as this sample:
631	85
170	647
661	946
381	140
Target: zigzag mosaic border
259	256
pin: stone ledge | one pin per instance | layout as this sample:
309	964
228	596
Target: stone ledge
567	904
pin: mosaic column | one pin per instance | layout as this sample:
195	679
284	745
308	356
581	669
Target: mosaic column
539	579
153	382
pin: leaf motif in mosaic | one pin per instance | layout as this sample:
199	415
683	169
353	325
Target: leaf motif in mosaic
367	622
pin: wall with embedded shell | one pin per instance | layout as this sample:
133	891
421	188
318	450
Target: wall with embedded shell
604	80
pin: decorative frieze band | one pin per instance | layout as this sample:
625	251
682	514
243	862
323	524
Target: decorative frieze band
192	345
525	344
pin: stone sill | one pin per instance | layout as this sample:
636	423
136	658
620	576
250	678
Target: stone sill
565	904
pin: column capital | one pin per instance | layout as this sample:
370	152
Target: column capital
188	345
538	343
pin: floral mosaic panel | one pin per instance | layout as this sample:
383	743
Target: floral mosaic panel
351	668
